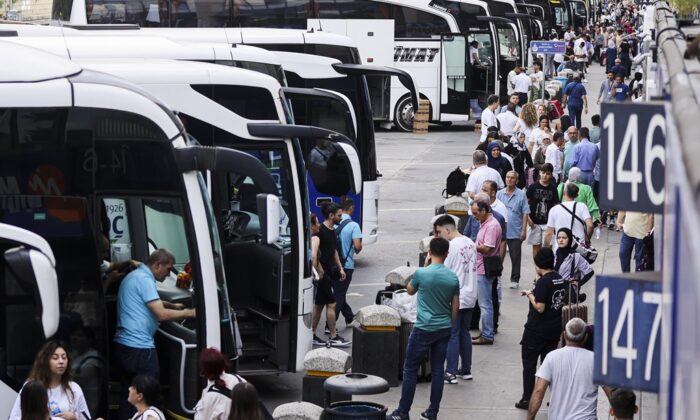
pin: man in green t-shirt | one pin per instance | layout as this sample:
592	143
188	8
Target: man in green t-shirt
438	305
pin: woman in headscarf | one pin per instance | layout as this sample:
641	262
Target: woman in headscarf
610	54
522	160
570	264
498	162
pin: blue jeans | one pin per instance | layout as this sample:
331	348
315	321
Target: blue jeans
460	343
575	115
626	245
419	344
132	362
485	297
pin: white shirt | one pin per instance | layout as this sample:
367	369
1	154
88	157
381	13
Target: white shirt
580	51
522	83
481	174
554	156
568	36
462	260
473	52
573	396
536	137
213	405
559	218
525	129
509	80
488	119
501	208
508	121
537	78
59	402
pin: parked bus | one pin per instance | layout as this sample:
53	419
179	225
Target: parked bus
427	42
352	84
79	147
91	156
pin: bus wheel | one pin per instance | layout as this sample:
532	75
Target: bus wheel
403	114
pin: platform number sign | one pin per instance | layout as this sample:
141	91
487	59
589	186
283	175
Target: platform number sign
628	331
633	156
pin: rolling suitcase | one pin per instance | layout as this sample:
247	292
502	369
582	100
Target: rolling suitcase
573	310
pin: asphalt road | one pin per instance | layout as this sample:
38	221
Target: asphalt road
414	169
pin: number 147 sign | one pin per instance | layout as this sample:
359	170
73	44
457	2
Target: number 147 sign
633	156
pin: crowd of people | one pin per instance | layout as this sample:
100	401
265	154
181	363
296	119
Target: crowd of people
534	180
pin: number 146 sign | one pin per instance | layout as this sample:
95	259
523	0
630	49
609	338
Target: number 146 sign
632	156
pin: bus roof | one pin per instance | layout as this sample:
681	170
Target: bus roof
141	43
308	66
143	71
33	65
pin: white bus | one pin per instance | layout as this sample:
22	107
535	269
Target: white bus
81	175
427	41
294	47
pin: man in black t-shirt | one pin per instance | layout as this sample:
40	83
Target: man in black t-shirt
541	196
330	269
543	327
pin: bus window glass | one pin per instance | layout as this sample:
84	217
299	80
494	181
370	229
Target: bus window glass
485	46
151	13
561	18
199	13
291	14
412	23
249	102
264	68
346	55
464	13
508	42
165	228
353	9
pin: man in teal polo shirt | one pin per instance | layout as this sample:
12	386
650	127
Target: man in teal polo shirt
139	311
438	305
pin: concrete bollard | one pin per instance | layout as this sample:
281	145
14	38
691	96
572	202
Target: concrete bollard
401	275
298	411
377	330
320	364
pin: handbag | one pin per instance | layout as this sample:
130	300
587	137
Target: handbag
493	266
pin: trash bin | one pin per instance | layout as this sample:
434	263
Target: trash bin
355	410
354	384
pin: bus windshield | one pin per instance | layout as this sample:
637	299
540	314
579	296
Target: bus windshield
561	18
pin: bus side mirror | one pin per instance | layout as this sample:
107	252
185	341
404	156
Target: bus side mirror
269	213
35	274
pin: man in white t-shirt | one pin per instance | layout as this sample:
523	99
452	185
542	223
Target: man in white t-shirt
569	214
474	53
554	155
569	35
481	173
521	85
461	259
568	371
488	116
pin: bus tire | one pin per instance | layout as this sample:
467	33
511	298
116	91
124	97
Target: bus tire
403	114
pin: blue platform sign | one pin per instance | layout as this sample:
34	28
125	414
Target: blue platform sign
628	330
548	47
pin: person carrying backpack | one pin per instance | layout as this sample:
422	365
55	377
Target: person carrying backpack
215	403
349	236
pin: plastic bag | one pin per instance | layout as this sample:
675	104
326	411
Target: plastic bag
405	305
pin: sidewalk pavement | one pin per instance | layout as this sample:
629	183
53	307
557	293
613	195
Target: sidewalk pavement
497	369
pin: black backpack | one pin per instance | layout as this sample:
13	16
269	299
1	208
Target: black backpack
456	183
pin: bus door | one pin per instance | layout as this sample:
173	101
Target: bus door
578	12
454	88
560	15
506	47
